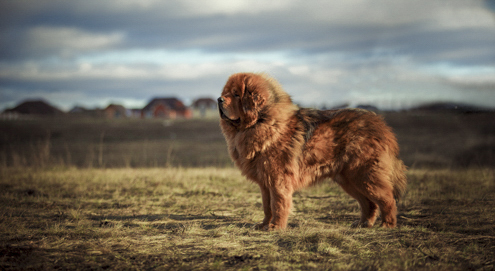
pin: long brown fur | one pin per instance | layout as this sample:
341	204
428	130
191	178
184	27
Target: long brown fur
283	148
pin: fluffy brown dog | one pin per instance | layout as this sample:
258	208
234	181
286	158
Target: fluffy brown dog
283	148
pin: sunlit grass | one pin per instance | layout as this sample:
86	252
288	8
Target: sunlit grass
203	218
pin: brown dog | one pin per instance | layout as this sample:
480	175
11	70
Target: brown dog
283	148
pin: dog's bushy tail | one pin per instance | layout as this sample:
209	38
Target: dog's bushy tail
399	179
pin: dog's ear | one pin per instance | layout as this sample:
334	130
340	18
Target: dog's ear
251	105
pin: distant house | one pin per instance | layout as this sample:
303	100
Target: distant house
35	107
79	111
167	108
205	107
115	111
135	113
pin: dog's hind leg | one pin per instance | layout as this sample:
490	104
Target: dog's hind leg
369	209
378	189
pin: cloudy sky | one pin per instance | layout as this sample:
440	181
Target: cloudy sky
391	53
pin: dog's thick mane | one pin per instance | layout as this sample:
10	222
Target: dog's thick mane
278	93
279	106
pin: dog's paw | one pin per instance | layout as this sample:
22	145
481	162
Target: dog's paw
273	227
261	227
268	227
387	225
359	224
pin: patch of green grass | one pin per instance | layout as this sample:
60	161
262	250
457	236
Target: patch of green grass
203	219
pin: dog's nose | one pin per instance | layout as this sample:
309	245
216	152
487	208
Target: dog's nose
220	100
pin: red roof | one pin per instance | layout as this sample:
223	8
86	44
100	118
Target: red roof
171	103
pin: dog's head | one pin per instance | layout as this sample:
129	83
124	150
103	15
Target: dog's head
243	98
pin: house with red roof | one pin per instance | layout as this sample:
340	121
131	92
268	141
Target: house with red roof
166	108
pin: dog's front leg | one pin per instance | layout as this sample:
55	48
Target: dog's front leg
265	196
281	203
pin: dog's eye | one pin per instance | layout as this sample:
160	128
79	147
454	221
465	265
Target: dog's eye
236	95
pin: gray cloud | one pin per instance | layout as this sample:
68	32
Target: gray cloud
335	50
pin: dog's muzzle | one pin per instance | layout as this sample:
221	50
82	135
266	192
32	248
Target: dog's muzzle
220	101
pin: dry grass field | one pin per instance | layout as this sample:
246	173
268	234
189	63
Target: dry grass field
106	143
131	195
427	140
202	219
